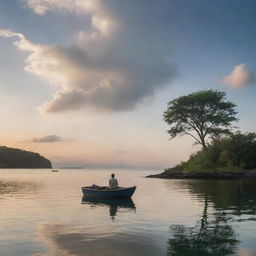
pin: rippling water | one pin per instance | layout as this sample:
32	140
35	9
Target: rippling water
43	213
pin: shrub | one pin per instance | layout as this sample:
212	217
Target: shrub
234	153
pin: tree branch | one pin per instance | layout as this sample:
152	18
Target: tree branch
194	137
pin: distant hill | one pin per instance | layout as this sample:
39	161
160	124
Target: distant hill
72	167
17	158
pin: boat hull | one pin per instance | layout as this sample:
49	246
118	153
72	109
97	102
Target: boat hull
109	193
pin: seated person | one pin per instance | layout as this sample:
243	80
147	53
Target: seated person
113	182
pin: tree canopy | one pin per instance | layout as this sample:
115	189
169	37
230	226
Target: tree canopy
203	114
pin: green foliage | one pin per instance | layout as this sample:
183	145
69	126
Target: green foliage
235	153
202	114
16	158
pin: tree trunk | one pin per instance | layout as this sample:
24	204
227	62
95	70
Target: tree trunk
203	142
204	146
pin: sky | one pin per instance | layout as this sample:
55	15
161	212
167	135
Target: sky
86	82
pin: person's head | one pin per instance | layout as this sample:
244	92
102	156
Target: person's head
113	175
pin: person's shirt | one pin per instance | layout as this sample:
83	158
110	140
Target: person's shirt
113	183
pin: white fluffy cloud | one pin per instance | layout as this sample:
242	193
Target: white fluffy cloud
112	67
42	6
239	77
100	19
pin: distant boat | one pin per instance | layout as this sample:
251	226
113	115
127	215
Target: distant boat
55	170
104	192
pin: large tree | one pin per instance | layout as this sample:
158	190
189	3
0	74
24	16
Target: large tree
202	115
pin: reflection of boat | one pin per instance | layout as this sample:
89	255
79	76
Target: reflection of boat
114	204
104	192
122	202
55	170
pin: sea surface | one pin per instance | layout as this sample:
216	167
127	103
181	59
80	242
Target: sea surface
44	213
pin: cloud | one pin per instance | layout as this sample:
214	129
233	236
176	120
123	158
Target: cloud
47	139
239	77
42	6
66	240
116	64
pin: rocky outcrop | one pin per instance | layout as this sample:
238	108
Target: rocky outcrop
204	175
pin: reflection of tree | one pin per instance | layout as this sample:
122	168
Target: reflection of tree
237	196
213	241
207	238
213	235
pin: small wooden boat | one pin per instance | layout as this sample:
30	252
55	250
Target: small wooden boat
105	192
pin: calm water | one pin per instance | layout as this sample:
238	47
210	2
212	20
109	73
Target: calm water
43	213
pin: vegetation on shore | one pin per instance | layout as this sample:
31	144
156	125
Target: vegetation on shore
207	116
234	154
17	158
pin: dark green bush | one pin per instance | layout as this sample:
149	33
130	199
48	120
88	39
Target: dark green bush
234	153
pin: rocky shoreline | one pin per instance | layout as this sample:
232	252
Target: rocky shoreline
204	175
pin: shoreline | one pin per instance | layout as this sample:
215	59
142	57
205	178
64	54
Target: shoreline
204	175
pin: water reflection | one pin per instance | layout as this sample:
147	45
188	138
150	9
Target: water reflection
11	187
214	217
207	238
224	202
67	240
114	205
236	197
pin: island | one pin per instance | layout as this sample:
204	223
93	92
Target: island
207	117
228	158
18	159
